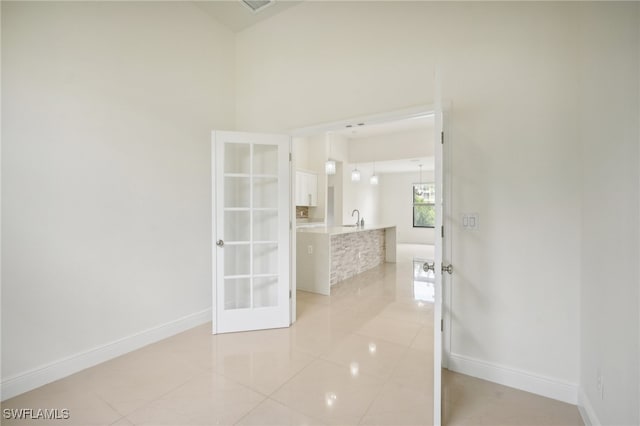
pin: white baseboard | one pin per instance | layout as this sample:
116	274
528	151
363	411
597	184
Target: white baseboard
586	409
37	377
518	379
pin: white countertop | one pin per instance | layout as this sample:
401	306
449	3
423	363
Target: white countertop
310	224
338	230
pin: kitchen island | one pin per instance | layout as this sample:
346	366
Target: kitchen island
327	255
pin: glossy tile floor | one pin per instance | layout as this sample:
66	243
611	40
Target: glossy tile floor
361	356
471	401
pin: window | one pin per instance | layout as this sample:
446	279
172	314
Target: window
424	208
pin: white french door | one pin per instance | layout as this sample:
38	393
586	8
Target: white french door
251	232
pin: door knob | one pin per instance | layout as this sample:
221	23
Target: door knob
429	267
448	268
220	243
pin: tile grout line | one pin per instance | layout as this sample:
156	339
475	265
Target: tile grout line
387	381
250	411
191	377
315	358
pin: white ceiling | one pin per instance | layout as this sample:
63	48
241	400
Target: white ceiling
237	17
358	131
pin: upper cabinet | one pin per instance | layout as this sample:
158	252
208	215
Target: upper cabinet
306	189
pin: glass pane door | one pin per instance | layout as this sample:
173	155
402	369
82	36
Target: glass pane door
237	213
252	226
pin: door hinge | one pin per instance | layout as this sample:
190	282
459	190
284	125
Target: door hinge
290	226
442	138
442	231
441	325
290	157
289	294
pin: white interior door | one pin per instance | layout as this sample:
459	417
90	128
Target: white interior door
251	231
443	268
438	258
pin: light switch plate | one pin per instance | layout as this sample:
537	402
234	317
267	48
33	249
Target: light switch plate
470	221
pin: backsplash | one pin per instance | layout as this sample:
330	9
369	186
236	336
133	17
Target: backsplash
302	212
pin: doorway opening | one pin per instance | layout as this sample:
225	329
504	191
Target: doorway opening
392	158
374	158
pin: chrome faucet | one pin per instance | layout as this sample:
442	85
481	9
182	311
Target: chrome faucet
357	220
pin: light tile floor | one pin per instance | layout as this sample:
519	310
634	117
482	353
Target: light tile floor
361	356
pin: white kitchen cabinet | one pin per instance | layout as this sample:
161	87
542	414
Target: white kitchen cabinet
306	189
312	189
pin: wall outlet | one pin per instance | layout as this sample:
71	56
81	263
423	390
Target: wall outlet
309	249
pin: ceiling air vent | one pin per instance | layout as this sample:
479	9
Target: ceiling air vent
257	5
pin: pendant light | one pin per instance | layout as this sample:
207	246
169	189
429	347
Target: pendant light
330	165
355	174
373	180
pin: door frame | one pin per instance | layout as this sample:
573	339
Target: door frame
315	129
392	115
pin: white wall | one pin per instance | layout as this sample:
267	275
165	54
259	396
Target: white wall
108	109
361	196
610	198
338	151
393	146
301	152
396	206
317	157
509	71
